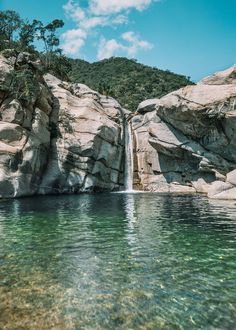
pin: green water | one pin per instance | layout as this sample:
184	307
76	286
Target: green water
117	261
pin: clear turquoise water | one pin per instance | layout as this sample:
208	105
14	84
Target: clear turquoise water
117	261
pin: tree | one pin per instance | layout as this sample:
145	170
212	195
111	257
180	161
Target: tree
105	89
10	23
28	32
52	40
48	35
60	65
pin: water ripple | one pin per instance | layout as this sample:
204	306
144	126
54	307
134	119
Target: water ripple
117	261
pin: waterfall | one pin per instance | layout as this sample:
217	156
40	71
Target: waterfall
129	161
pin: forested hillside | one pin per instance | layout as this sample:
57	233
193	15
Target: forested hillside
126	80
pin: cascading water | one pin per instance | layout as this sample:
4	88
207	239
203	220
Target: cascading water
129	161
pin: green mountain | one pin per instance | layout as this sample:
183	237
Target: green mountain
126	80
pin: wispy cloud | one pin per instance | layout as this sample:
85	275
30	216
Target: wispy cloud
107	7
135	43
96	14
108	48
73	40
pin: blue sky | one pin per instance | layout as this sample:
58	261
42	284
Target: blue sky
191	37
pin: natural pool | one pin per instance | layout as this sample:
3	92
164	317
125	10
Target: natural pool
117	261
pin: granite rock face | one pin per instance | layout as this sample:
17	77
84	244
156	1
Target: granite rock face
186	140
64	138
224	190
24	128
57	137
87	152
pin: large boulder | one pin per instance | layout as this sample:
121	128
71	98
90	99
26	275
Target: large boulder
206	113
24	129
225	77
188	139
64	138
224	190
87	148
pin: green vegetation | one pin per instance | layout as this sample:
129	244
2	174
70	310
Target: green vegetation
20	35
126	80
24	86
22	82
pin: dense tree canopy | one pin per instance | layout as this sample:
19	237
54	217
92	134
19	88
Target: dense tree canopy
126	80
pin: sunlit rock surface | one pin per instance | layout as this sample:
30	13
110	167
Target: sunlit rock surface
86	153
186	140
24	130
66	138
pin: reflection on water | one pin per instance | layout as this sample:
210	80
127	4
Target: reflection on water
117	261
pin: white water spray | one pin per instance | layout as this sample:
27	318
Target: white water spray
129	160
